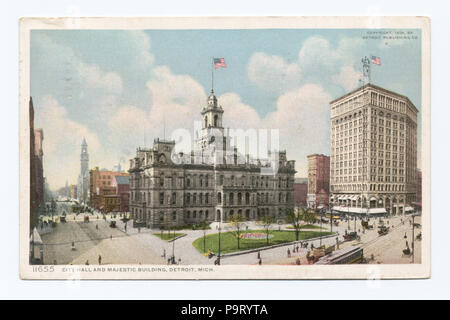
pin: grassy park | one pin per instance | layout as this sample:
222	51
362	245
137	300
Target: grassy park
229	243
166	236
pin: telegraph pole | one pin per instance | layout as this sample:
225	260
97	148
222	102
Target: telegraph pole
412	242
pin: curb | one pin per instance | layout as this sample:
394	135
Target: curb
172	240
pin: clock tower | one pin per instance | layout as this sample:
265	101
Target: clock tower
211	121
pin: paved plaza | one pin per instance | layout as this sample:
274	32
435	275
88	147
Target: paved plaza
127	245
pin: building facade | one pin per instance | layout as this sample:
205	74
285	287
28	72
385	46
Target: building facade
373	151
37	180
83	178
122	185
300	191
102	185
207	184
318	181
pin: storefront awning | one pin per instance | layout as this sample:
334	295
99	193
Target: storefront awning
358	210
377	211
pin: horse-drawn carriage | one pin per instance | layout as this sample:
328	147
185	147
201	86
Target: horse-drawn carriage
351	236
365	224
382	230
112	224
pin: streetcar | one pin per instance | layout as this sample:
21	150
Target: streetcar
347	255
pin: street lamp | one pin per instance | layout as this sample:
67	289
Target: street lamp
218	256
173	251
320	212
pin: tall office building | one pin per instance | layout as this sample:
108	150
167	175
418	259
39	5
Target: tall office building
318	181
83	178
373	165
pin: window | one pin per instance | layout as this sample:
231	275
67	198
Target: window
174	198
161	198
219	197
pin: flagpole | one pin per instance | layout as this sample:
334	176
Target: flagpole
212	73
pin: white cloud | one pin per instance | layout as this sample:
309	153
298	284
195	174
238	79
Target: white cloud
348	78
318	62
177	101
238	115
273	72
94	78
62	140
302	116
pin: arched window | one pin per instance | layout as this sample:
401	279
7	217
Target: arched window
247	198
215	120
219	197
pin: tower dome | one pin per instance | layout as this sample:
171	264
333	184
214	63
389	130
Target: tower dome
212	100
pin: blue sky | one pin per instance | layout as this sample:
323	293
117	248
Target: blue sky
110	85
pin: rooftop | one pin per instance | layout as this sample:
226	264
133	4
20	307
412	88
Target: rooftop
122	179
370	85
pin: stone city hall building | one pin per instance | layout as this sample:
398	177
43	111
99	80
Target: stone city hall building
174	190
373	168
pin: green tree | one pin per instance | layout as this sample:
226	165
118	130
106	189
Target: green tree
268	221
309	216
237	222
295	218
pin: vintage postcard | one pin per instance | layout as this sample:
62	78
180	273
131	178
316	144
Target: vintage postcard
225	148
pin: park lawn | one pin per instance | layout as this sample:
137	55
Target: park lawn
228	240
166	236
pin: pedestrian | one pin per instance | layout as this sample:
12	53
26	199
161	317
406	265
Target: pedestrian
110	237
297	261
297	248
87	262
288	253
260	261
259	254
164	253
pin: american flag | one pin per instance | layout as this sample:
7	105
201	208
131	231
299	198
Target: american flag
376	60
219	63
